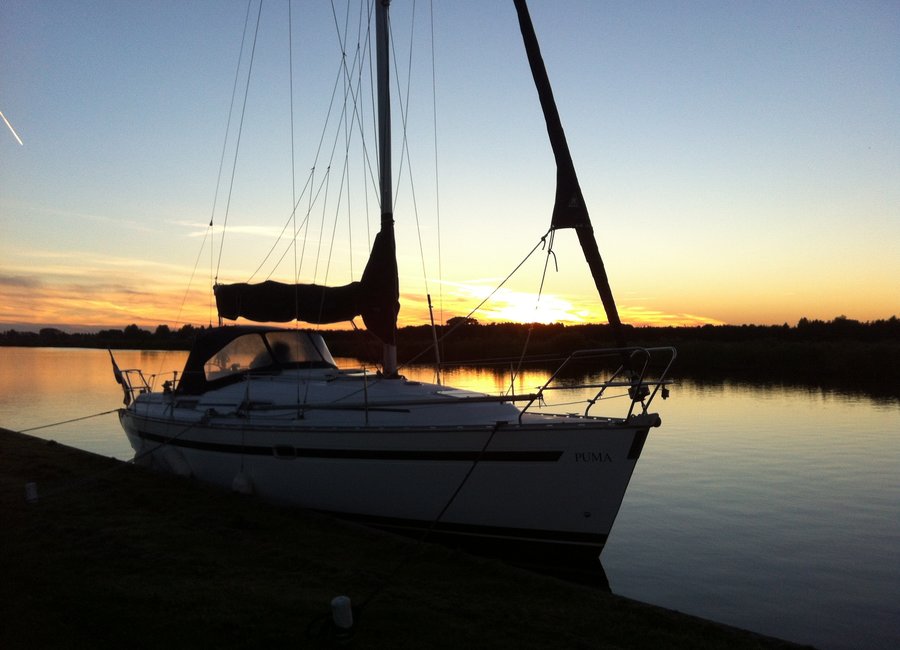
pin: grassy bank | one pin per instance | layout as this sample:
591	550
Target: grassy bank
113	556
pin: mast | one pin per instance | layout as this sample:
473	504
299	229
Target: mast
569	210
382	46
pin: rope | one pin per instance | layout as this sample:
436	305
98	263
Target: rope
537	304
90	478
479	305
56	424
419	545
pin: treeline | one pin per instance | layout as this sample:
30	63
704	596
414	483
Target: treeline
841	353
129	338
465	338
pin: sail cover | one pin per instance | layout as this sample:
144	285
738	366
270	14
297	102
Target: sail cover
569	209
375	297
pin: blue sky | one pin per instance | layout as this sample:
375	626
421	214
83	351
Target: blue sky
741	160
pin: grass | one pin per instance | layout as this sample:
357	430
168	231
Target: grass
112	555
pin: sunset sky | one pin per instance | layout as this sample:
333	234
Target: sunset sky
740	160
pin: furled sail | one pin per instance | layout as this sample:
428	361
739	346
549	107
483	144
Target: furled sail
374	297
569	209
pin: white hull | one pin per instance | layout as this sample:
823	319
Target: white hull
542	481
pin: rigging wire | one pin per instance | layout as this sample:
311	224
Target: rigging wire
313	198
294	201
373	112
537	304
311	193
209	235
480	304
238	143
222	157
290	221
351	117
405	153
293	220
343	70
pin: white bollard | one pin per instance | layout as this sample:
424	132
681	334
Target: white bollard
242	484
31	495
342	612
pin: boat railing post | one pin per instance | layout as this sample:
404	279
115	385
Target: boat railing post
540	393
366	393
638	390
661	382
437	349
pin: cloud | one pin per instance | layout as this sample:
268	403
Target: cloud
202	229
21	281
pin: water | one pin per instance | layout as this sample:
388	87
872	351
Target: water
772	509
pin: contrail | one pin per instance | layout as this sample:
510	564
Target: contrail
12	130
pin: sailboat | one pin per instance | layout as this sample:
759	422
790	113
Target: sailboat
266	410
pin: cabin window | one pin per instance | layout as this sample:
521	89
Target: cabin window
321	348
242	354
298	348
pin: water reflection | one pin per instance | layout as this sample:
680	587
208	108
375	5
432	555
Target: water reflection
41	386
568	393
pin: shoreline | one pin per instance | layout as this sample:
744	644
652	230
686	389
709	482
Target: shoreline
111	552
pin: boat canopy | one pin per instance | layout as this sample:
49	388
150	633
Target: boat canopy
224	355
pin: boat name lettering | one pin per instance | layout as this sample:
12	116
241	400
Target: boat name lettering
592	457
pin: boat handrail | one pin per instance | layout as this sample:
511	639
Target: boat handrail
630	374
134	383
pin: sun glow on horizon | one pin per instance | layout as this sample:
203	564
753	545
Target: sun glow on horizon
510	306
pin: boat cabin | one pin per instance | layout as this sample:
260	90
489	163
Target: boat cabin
225	355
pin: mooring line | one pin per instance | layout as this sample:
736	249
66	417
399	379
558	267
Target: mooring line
417	548
67	486
56	424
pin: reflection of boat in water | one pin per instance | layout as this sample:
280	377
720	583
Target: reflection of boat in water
266	410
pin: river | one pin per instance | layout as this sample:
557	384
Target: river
775	509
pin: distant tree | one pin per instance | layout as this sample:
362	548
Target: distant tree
135	332
462	321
